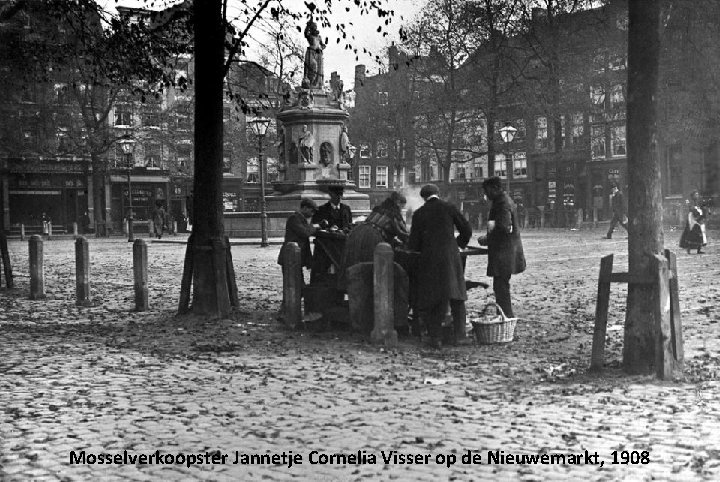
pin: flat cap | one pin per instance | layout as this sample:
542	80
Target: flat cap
428	190
306	202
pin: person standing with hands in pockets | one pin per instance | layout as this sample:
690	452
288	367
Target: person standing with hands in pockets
505	251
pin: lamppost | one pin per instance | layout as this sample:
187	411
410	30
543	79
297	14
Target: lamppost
259	127
128	147
507	134
351	150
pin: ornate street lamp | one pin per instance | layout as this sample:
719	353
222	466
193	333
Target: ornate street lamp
507	134
260	126
128	147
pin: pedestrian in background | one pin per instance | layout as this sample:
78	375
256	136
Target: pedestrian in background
693	236
617	202
159	219
505	251
440	275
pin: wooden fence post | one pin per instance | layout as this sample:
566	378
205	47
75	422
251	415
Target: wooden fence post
37	271
22	232
601	313
5	254
383	296
292	284
82	271
675	317
664	357
140	274
75	229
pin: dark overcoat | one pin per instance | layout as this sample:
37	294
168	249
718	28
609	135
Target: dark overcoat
340	217
298	230
440	275
505	251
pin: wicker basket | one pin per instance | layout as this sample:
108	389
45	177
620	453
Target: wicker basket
498	328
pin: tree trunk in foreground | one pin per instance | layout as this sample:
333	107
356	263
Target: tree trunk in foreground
645	237
207	251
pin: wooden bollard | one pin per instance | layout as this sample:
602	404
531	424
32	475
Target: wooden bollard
75	230
37	271
597	360
22	232
82	271
292	284
383	296
140	274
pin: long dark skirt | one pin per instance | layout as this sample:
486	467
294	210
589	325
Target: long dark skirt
692	238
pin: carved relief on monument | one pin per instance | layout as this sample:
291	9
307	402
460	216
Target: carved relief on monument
326	154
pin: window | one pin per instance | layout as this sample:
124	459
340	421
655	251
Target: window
562	130
520	165
399	177
675	172
578	128
152	156
478	170
382	150
597	142
151	118
500	166
617	97
617	140
383	98
123	115
541	133
61	94
412	176
253	171
416	95
521	131
364	176
597	95
399	149
28	137
364	151
381	176
63	142
618	62
460	172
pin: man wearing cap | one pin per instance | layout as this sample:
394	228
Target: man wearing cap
618	208
440	277
505	251
334	214
299	228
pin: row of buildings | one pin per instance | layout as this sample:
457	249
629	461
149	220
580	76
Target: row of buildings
569	148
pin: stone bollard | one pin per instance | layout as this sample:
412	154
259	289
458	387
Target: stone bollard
49	229
151	228
140	274
82	271
22	232
75	230
174	228
125	227
542	216
292	284
595	217
383	291
579	219
37	271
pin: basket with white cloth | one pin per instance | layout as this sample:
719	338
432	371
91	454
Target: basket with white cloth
489	328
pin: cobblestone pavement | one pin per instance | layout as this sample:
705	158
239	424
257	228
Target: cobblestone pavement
106	380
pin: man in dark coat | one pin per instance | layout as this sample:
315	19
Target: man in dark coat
505	251
298	229
618	209
334	213
440	277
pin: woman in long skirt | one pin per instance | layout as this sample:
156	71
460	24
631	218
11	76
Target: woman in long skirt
694	237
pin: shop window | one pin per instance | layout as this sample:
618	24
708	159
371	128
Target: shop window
364	176
381	176
520	165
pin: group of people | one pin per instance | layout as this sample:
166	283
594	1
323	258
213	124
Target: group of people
439	279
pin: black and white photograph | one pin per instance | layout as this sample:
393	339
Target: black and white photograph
339	240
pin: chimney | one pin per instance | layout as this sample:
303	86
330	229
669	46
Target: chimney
359	75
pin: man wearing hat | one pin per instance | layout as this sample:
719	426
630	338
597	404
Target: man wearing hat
618	209
440	277
299	228
334	214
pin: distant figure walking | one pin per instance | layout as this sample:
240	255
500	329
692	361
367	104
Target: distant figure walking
159	219
694	237
619	213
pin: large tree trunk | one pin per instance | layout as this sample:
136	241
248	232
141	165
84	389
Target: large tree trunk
98	200
207	245
644	196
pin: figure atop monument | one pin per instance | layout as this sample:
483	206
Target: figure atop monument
313	73
306	142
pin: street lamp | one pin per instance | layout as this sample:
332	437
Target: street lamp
351	157
260	126
127	148
507	134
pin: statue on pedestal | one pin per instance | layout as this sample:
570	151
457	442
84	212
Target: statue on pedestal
313	73
345	146
306	141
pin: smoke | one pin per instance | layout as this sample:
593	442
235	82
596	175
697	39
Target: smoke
412	194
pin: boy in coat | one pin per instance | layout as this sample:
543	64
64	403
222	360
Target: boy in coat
505	251
440	275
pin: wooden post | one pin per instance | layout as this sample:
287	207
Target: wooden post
37	271
9	283
186	281
82	271
231	282
75	229
579	220
292	284
595	217
174	228
140	274
22	232
383	291
125	227
601	313
542	216
675	317
50	229
664	356
151	228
